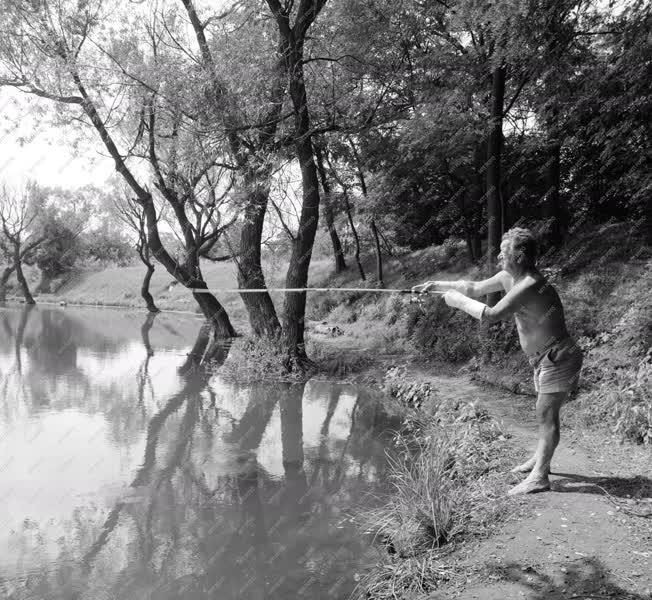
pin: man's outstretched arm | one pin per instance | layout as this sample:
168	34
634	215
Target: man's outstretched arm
473	289
504	309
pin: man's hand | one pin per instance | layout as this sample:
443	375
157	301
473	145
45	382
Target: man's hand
423	288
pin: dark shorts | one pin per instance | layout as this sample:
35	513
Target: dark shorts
557	367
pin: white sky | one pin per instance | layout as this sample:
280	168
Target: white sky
32	149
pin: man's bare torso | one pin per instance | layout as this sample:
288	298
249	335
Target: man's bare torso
539	314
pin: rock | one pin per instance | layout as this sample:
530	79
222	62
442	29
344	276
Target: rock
324	328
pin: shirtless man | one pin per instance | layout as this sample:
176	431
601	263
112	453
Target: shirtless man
539	315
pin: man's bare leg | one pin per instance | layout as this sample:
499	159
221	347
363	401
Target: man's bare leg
548	406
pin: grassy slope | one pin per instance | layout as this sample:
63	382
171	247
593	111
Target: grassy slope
120	286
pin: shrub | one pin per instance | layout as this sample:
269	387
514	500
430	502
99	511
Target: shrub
441	332
622	403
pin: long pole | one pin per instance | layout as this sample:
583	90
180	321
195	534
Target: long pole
312	289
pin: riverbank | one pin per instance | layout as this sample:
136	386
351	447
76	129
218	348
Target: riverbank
589	537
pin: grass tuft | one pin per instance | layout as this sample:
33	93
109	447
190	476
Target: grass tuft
447	477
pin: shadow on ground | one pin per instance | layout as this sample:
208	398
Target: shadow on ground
622	487
585	578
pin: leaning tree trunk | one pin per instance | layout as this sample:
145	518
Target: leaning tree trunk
6	274
260	308
379	256
20	276
144	289
209	304
338	254
494	205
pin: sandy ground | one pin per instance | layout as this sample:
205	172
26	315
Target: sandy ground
589	537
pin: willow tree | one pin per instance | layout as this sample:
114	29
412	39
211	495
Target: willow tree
293	27
244	103
111	67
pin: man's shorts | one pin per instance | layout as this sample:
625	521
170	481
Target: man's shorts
557	367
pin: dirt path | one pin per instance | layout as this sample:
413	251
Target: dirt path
580	540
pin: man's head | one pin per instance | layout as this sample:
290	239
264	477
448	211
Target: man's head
518	250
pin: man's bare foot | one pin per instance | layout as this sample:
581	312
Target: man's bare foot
527	466
530	486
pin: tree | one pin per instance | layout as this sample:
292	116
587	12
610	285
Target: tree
131	213
292	40
250	139
329	215
59	251
108	244
19	211
45	51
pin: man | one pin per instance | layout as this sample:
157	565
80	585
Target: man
539	315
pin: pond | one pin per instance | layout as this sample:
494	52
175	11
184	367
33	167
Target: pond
129	469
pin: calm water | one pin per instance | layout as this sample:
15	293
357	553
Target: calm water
128	470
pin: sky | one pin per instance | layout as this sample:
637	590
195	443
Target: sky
33	149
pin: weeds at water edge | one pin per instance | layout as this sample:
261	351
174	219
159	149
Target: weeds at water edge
448	484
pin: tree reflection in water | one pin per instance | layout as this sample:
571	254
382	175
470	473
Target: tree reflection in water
207	514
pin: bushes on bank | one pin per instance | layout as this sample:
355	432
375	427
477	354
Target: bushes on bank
623	401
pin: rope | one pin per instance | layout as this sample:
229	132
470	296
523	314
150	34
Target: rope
334	289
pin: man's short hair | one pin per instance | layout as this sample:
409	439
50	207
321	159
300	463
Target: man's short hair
523	245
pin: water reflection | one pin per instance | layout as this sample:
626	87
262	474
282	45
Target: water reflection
169	482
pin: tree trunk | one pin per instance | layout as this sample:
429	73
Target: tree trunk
29	299
354	232
388	246
212	309
297	274
379	256
44	286
469	247
477	245
209	305
494	204
260	308
6	274
551	212
144	289
338	254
